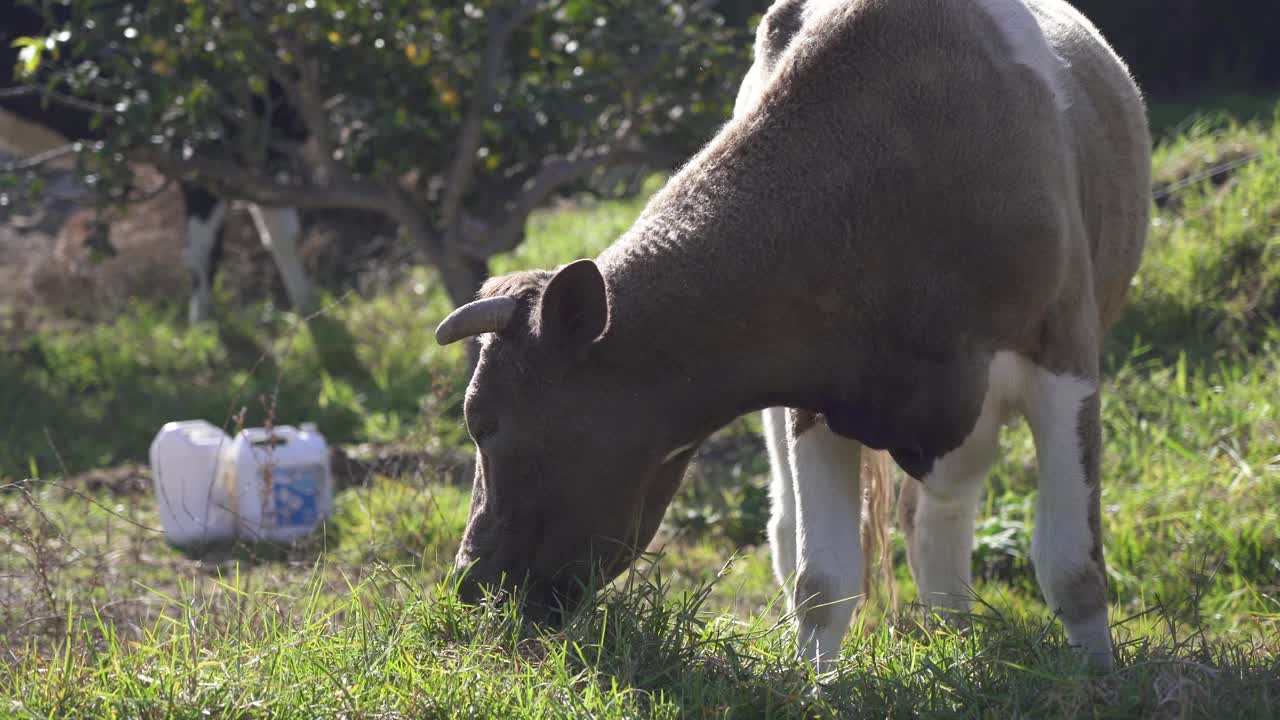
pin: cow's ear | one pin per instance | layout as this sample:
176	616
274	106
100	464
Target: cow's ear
574	310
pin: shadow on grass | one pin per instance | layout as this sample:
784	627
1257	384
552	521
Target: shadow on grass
677	652
307	549
1155	329
335	347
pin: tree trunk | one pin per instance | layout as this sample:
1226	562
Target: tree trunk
463	277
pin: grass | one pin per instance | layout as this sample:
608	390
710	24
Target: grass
1171	117
99	617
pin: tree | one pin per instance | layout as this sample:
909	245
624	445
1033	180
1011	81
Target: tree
456	120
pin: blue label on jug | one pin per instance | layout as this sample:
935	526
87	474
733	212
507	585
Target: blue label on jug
295	494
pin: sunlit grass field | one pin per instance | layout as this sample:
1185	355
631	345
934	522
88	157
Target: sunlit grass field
99	617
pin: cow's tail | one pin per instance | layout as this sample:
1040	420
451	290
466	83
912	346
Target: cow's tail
877	549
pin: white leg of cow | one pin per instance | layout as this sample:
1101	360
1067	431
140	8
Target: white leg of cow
1067	545
938	515
828	577
279	229
782	507
202	238
940	533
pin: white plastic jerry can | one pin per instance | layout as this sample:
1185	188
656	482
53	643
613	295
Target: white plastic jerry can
260	485
195	504
280	481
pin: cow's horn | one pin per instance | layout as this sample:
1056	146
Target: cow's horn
474	318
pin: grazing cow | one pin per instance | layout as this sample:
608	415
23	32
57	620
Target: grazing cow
30	125
922	218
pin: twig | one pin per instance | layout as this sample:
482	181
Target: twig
1169	190
555	173
68	100
39	159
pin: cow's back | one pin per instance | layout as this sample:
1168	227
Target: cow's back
1100	146
1108	121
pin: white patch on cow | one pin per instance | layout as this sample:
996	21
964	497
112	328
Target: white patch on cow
278	229
202	236
828	507
678	452
782	500
1030	46
1062	540
942	543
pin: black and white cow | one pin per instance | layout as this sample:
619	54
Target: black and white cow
25	122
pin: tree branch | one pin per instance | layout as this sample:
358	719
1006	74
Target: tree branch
62	98
234	181
302	90
462	169
35	161
485	240
318	149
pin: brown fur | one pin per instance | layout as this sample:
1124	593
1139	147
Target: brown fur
526	285
1087	595
1089	428
849	165
894	202
778	26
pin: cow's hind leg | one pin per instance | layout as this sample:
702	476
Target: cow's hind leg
782	499
828	506
205	216
279	230
1063	412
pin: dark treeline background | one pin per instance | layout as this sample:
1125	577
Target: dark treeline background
1175	48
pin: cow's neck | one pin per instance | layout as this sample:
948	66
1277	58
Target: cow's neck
708	303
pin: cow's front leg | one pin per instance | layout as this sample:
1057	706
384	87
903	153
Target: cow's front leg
1063	413
938	512
205	217
279	230
782	502
828	506
937	516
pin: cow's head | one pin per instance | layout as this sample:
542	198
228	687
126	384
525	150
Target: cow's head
574	462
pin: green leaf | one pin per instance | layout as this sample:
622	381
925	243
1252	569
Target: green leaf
29	56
